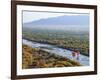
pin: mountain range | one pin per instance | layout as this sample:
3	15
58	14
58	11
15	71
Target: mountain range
77	22
63	20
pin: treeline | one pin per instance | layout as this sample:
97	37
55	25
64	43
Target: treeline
71	40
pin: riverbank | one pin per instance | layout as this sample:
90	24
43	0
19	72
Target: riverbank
83	60
37	58
45	42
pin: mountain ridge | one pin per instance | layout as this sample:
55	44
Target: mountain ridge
62	20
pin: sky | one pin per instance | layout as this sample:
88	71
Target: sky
29	16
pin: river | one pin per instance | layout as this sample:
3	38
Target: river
83	60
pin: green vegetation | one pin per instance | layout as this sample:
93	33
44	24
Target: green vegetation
36	58
66	39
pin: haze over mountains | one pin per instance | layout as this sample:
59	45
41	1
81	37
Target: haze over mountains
76	22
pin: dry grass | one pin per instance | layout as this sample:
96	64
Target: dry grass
35	58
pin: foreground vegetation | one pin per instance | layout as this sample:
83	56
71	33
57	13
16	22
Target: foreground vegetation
36	58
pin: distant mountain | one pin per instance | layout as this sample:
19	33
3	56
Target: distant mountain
62	20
